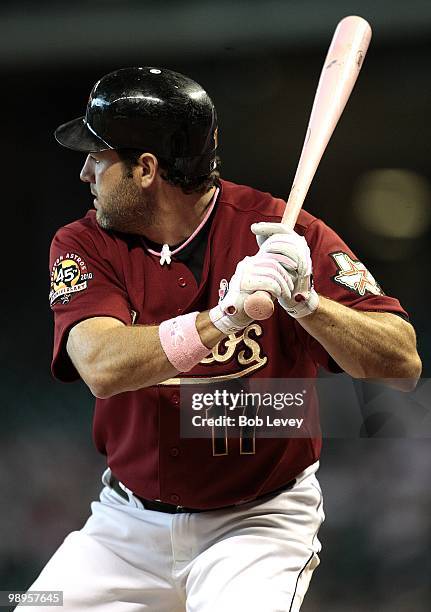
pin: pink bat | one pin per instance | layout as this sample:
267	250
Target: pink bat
339	73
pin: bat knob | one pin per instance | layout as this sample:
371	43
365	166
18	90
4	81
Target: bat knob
259	306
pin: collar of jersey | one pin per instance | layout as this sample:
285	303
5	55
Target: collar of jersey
165	254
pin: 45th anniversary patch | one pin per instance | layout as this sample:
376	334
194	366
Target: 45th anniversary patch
69	275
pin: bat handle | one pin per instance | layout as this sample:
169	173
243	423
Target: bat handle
259	305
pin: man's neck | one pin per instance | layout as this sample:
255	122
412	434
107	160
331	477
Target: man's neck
178	217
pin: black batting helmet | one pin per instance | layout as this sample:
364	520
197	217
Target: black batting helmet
151	109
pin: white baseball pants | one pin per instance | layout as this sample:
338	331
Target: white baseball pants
256	557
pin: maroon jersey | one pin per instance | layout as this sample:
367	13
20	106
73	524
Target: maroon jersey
103	273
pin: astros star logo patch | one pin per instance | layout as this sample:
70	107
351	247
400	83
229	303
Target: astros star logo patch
354	275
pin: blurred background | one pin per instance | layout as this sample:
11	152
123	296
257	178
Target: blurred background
260	62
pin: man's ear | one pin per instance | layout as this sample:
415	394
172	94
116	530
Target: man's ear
148	166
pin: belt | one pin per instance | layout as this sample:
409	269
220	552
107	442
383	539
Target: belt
160	506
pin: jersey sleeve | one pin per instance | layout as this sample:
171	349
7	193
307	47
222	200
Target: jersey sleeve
340	276
83	285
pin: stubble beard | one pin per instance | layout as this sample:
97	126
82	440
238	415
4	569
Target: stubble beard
126	209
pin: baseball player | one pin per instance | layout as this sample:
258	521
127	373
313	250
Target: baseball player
148	289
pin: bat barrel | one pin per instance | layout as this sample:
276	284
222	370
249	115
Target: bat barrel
340	71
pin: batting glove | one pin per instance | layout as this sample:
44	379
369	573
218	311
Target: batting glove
292	251
260	272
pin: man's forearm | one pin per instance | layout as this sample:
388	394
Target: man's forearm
119	358
366	344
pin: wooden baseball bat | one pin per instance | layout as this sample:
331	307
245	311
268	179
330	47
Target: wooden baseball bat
340	70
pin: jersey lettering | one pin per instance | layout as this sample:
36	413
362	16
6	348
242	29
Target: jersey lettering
251	356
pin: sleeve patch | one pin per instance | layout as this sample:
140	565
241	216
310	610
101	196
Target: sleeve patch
69	275
353	275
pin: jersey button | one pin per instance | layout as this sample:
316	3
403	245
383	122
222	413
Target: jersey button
175	499
182	281
175	451
175	399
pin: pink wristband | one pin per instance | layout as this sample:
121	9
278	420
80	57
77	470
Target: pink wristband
181	342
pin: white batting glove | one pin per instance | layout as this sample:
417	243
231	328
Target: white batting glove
260	272
292	251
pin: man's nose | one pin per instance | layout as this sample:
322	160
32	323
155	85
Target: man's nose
87	173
